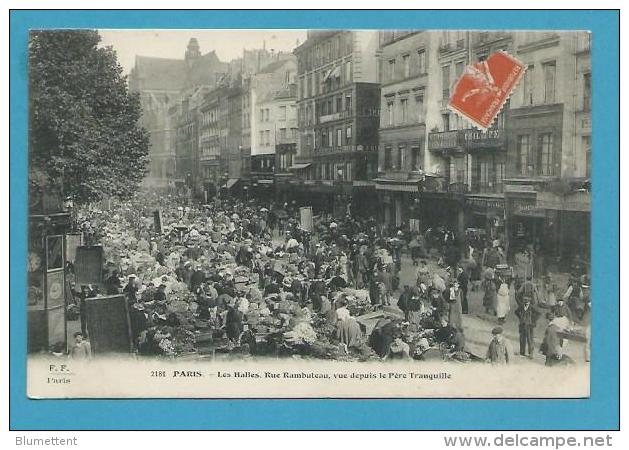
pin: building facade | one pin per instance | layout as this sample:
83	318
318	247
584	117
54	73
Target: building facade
212	129
549	146
524	181
405	84
338	112
271	118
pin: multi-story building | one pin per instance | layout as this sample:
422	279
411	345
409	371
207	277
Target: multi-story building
238	165
407	60
549	145
270	108
211	134
162	83
338	110
470	162
276	136
262	71
187	140
518	181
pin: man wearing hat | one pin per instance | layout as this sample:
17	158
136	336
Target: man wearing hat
498	350
139	321
492	255
160	295
131	289
527	316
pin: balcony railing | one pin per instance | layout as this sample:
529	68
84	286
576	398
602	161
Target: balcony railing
288	139
485	37
468	138
336	116
346	149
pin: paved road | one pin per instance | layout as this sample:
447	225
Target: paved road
478	325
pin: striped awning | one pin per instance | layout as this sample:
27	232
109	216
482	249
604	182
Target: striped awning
231	182
299	166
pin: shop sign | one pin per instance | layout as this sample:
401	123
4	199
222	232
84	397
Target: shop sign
527	208
486	204
473	138
443	140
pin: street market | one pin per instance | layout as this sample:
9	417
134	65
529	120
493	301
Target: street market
244	279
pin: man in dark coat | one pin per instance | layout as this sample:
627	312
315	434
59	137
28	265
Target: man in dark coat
139	321
527	316
112	284
160	295
131	290
196	279
452	255
404	300
233	323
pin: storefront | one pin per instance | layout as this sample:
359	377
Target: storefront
487	215
531	227
572	213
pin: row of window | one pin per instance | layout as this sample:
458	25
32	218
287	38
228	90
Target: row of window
262	164
282	114
264	137
338	171
209	117
186	130
326	51
336	104
530	95
487	173
406	65
399	113
286	160
333	137
325	80
447	80
211	150
536	159
311	114
404	157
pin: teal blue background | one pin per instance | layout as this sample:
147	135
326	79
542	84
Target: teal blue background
600	411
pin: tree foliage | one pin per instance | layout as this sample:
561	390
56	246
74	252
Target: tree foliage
85	140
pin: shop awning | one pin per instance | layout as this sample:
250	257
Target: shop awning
299	166
399	187
333	73
230	183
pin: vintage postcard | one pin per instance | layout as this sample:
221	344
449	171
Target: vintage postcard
309	213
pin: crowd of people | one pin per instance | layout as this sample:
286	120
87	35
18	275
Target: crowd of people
244	278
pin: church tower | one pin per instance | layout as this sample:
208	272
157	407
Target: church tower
192	52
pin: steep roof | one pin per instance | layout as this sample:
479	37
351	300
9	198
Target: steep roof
270	68
173	74
204	68
159	73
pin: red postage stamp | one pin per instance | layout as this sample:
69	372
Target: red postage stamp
484	87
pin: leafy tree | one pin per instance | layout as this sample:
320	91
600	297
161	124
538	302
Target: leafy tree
85	140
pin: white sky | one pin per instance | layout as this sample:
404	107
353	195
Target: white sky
228	44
